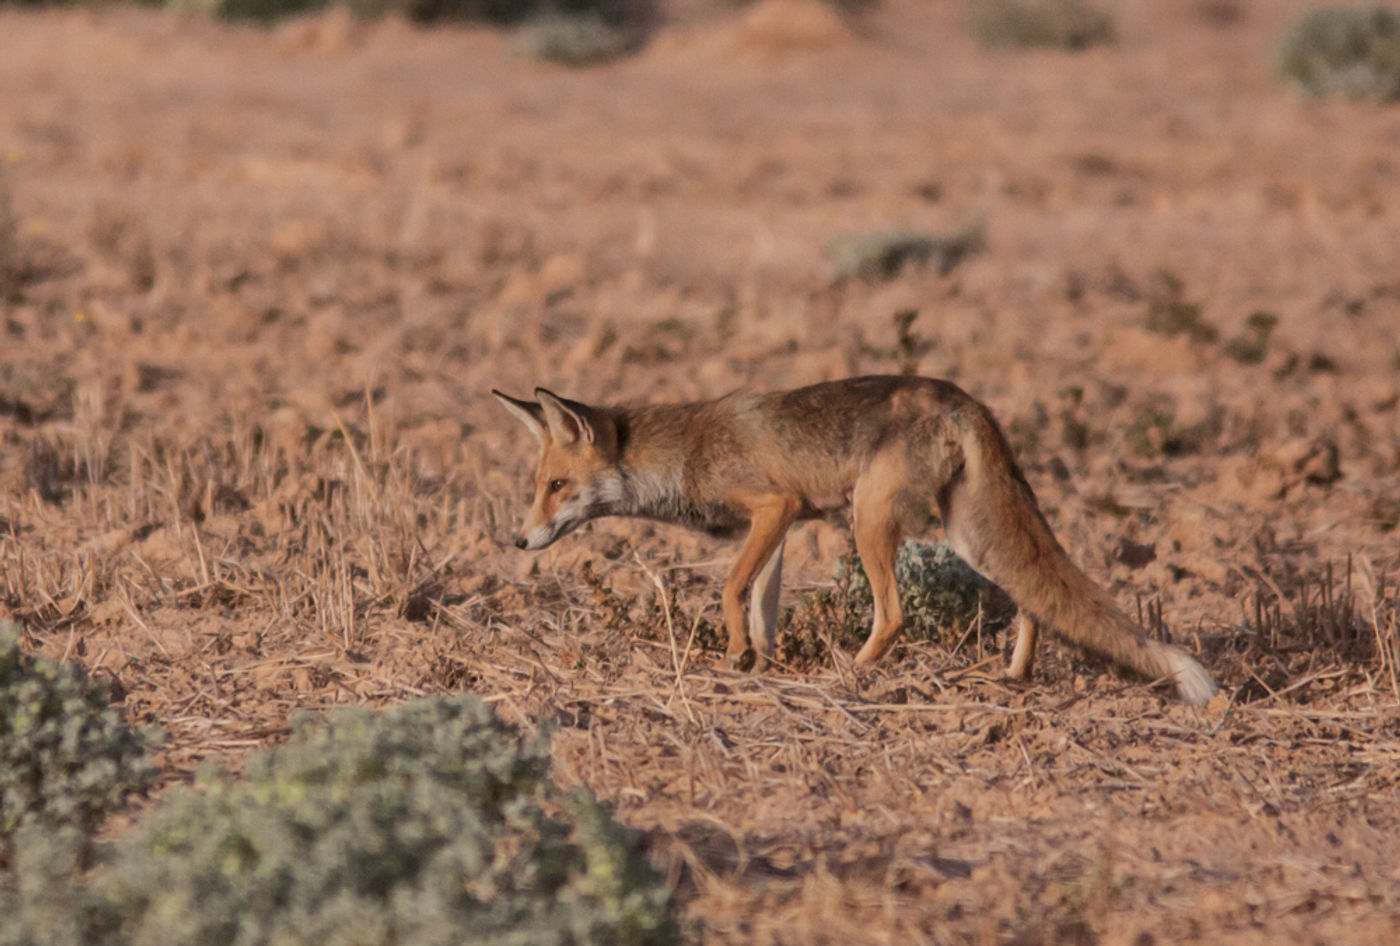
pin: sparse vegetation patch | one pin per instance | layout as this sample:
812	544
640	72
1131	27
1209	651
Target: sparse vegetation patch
1344	51
587	20
941	595
1170	313
1057	24
12	268
256	10
886	254
435	823
577	39
1252	344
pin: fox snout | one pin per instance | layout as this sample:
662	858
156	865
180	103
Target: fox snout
532	538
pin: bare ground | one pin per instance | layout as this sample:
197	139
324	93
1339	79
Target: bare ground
257	286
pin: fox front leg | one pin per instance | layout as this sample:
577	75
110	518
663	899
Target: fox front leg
768	523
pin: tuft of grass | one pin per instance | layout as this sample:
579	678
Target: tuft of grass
1055	24
1155	432
1347	51
12	263
907	345
1170	314
886	254
1251	345
1302	617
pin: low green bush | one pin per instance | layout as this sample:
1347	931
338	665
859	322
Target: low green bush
434	823
1344	51
1252	344
580	39
885	254
1170	313
428	11
43	901
631	15
12	262
1021	24
938	591
66	756
256	10
940	594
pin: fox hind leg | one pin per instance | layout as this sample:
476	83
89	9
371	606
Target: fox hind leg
763	608
877	530
1023	655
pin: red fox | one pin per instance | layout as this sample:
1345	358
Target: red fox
896	450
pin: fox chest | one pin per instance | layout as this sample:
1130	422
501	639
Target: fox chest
725	520
722	520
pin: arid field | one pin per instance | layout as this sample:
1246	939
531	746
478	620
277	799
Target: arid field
256	285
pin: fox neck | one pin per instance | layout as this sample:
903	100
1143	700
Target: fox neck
650	480
649	493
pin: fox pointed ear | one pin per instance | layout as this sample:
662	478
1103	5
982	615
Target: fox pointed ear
530	413
566	420
570	422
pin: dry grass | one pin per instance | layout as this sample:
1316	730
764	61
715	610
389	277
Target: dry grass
229	585
248	465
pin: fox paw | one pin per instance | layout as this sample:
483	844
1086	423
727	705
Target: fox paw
741	659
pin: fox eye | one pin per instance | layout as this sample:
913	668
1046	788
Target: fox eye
556	485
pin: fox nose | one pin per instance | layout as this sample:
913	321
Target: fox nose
521	541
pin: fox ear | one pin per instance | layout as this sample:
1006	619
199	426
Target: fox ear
568	421
530	414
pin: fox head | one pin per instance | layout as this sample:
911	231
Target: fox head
577	478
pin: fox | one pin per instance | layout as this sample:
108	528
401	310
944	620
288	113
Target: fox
898	451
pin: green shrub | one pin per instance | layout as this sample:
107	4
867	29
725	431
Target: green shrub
66	756
1170	314
1344	51
885	254
940	594
500	12
12	263
434	823
579	39
938	591
43	901
259	10
633	16
1251	345
1021	24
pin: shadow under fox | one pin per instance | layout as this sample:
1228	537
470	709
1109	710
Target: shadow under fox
896	450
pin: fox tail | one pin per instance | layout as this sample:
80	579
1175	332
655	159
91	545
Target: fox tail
994	522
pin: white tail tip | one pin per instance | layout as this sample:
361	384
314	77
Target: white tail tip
1192	681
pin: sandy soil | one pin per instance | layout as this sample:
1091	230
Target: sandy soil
258	284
